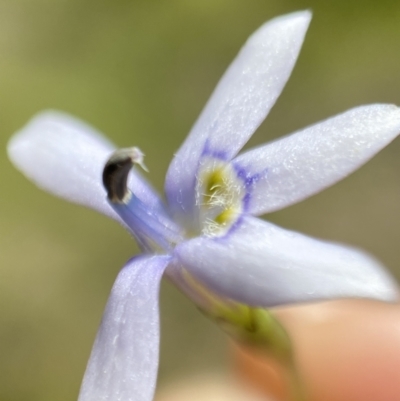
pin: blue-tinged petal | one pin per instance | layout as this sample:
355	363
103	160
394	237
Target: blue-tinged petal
150	229
291	169
239	104
66	157
260	264
124	360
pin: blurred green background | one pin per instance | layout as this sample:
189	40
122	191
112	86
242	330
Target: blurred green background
140	71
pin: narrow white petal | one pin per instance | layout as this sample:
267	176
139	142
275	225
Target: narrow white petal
239	104
291	169
261	264
64	156
124	361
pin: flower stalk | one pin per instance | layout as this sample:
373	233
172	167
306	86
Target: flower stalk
259	329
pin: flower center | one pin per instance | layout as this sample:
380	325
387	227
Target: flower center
219	196
220	199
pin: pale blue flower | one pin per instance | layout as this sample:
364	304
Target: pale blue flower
206	236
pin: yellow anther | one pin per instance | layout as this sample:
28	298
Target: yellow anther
214	181
219	196
226	216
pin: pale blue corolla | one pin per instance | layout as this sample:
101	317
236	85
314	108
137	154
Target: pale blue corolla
206	231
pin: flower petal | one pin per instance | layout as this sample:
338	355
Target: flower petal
258	263
287	171
124	360
239	104
66	157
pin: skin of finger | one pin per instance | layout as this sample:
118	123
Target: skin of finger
260	372
345	351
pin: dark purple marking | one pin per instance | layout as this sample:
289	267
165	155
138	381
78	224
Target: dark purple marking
246	201
217	154
249	180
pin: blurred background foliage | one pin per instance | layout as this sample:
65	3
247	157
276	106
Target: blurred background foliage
140	71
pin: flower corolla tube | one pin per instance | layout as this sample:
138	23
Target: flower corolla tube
206	237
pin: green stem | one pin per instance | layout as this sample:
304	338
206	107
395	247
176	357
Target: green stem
259	328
